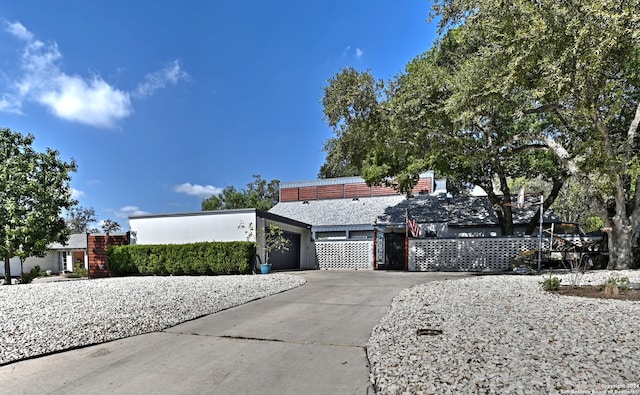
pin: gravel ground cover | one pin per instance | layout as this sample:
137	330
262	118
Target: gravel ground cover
41	318
490	334
505	335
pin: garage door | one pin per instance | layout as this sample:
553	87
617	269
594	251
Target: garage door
287	260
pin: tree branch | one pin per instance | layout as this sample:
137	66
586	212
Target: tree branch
547	107
562	154
633	128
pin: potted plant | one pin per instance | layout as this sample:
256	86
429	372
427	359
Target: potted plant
274	240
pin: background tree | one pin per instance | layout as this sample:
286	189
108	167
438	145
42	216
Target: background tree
79	218
35	190
259	194
351	103
575	68
109	226
578	201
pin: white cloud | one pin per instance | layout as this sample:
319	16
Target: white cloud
76	193
91	102
127	211
171	74
10	104
203	191
18	30
347	51
87	100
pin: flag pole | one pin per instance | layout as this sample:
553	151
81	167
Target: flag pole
406	223
406	239
540	241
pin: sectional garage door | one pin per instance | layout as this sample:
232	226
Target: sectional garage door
287	260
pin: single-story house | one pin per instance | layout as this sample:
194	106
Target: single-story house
59	257
343	211
438	214
227	225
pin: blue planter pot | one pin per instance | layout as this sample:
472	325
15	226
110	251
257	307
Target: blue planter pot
265	268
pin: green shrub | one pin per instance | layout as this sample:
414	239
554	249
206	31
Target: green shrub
120	261
614	285
79	270
551	283
28	277
182	259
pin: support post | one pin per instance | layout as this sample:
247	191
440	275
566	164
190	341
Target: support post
540	241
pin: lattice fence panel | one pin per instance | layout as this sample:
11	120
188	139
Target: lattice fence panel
466	254
345	255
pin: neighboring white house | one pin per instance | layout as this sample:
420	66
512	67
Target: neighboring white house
227	225
59	258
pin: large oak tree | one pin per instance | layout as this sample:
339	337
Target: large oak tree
524	84
397	130
574	67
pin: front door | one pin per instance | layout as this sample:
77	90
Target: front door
78	259
394	251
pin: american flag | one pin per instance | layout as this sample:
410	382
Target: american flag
413	226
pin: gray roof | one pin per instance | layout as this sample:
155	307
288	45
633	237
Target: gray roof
458	211
77	241
328	212
391	210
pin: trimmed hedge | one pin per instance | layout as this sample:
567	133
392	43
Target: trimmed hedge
182	259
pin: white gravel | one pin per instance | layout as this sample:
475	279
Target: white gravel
505	335
499	334
41	318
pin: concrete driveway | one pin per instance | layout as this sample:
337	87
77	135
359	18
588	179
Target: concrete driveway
309	340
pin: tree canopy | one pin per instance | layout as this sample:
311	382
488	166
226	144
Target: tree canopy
80	218
520	88
397	130
258	194
572	67
35	190
110	226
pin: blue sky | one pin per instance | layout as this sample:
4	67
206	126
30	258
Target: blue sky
164	103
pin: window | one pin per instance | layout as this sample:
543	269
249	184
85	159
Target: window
333	235
361	234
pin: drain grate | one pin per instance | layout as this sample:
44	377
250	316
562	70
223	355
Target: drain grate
429	332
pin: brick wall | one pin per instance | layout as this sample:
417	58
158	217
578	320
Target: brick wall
97	250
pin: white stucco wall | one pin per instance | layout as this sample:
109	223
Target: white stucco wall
192	227
207	226
50	261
